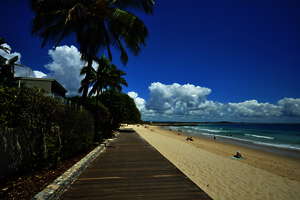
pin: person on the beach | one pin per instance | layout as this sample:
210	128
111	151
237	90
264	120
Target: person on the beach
238	155
215	138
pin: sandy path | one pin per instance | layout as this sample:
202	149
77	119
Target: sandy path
219	175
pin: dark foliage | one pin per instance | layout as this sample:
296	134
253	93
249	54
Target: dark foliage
122	108
77	131
38	131
107	76
100	114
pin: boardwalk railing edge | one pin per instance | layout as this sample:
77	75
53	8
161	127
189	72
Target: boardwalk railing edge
54	190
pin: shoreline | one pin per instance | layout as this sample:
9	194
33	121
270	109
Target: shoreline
253	155
280	151
261	175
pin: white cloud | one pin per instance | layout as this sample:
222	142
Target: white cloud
189	102
140	102
65	67
141	105
176	98
252	108
290	107
39	74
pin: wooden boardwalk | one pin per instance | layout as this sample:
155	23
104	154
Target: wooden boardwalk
132	169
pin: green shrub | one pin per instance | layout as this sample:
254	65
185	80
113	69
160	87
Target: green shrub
121	107
100	114
32	115
41	130
8	106
77	127
45	131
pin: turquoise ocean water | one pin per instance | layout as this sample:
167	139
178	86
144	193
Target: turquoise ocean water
284	136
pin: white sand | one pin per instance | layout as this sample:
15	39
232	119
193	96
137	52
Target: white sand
223	177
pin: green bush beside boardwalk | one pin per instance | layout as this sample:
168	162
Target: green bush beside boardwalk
39	131
122	106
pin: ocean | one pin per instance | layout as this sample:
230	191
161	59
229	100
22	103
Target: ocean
283	136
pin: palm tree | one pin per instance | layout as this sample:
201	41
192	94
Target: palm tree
107	76
97	24
115	80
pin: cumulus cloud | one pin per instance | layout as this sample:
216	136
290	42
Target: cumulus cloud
39	74
140	102
141	105
253	108
290	107
65	67
176	98
189	102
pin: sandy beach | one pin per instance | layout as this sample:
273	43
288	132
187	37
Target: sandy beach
209	164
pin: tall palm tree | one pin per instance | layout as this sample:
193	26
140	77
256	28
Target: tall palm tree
97	24
107	76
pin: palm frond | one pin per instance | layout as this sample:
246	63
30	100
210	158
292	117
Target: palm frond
124	55
129	28
98	25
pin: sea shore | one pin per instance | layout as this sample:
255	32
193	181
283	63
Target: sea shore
209	163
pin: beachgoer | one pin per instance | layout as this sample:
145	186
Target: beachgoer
215	138
238	155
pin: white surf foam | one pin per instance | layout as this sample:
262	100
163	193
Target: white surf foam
212	133
209	130
260	136
283	146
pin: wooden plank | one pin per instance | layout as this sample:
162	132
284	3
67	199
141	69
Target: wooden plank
132	169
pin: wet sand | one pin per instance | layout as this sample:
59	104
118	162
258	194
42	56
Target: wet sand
209	163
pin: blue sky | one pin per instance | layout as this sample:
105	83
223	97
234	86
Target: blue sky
240	49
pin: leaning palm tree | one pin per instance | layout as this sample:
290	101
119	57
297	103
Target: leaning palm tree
107	76
97	24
